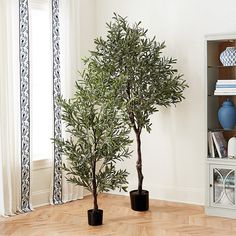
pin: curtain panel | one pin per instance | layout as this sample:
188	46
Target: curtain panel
15	151
70	22
10	166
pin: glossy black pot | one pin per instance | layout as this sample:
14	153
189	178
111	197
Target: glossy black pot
95	217
139	201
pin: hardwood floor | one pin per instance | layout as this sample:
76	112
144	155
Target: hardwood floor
163	219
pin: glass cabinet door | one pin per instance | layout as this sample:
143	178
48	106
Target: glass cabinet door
222	186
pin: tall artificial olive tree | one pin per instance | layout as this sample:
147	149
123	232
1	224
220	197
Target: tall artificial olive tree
98	138
149	78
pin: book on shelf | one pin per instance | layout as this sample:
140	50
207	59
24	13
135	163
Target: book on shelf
224	93
225	89
226	86
226	81
220	143
211	147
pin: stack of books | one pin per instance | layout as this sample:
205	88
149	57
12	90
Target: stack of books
225	87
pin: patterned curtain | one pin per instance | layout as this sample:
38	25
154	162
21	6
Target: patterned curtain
57	181
25	104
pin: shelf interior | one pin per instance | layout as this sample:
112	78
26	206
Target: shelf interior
216	71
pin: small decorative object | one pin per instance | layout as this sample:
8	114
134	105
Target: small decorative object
227	115
228	56
232	147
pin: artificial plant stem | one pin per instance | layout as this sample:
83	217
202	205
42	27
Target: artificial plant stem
95	203
139	162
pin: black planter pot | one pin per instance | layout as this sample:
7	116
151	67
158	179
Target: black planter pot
95	217
139	202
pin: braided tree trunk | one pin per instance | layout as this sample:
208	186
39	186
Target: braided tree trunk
139	162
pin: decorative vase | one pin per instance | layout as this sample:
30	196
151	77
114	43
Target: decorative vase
232	147
139	201
95	217
228	56
227	115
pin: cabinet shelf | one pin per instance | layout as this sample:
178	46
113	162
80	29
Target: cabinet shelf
221	158
221	95
220	67
226	185
220	161
223	130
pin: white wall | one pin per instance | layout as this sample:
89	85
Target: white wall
1	74
1	188
174	152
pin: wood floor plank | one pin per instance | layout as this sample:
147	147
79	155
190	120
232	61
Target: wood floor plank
163	219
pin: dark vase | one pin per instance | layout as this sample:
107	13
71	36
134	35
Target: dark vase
227	115
139	201
95	217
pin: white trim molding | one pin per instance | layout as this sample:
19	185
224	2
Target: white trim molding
41	164
171	193
41	198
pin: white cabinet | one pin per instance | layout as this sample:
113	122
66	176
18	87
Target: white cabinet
220	172
222	186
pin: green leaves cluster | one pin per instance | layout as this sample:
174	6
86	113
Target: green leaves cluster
125	80
98	136
148	79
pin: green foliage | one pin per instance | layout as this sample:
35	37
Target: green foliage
148	79
98	136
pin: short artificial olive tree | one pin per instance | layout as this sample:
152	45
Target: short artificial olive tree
149	78
98	136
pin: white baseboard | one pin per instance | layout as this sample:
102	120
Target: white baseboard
221	212
179	194
173	194
40	198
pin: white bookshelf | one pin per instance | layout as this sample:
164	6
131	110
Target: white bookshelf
220	172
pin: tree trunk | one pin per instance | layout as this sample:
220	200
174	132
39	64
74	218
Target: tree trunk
139	162
95	203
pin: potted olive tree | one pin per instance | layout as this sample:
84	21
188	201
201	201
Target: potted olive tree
98	139
149	80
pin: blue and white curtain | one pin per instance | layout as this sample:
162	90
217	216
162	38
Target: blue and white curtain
16	171
25	104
